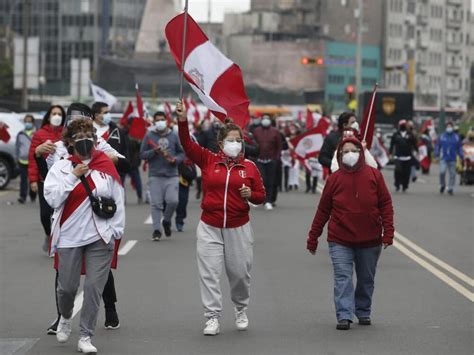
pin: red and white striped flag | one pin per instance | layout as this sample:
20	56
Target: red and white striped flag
423	157
367	126
215	78
168	111
309	144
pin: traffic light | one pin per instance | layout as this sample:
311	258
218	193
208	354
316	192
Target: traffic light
350	91
312	60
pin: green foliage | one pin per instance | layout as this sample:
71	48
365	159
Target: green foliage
6	78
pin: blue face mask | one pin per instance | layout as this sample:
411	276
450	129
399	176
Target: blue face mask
107	118
28	126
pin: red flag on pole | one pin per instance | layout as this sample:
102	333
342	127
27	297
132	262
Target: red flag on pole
309	144
367	126
168	111
126	115
309	119
215	78
140	109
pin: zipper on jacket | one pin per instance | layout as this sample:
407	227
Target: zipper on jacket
225	194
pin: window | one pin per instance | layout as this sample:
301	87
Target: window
369	63
336	79
368	81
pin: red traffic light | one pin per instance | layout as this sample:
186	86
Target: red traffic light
320	61
304	60
350	89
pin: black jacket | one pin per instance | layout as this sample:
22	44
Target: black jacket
329	147
403	147
118	140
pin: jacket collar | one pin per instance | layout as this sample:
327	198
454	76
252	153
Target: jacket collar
228	161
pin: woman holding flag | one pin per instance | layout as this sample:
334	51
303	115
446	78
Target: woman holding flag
359	208
224	235
83	234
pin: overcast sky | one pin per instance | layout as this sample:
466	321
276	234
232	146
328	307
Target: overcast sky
198	8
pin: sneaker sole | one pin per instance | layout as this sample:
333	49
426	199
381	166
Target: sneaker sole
109	327
218	330
51	332
79	350
242	329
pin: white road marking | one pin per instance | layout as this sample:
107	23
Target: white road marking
148	220
439	274
423	181
78	303
127	247
435	260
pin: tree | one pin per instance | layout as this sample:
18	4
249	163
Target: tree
6	81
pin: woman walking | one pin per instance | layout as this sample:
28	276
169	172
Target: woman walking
22	145
83	232
224	234
359	208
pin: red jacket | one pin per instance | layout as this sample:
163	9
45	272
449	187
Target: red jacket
222	205
357	204
42	135
269	142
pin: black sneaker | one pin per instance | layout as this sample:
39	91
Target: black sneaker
441	189
365	321
53	328
167	228
21	200
343	324
156	236
111	319
450	192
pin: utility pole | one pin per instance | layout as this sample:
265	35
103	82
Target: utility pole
209	11
26	30
358	74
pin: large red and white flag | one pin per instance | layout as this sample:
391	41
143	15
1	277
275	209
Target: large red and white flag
379	152
423	157
312	118
215	78
367	126
309	144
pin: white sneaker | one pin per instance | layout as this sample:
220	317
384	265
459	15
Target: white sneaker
64	330
241	320
85	346
268	206
212	327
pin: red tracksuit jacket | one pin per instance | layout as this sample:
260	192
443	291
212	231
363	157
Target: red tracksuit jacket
357	204
222	206
42	135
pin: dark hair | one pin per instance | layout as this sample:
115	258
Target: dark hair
29	116
227	127
159	113
48	115
97	107
343	119
79	125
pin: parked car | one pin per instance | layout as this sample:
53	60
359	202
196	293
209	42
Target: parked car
8	161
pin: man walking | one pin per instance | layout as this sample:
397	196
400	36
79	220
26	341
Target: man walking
448	147
269	140
162	150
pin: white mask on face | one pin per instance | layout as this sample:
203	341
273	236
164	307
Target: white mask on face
350	158
266	122
160	125
232	149
355	125
106	118
55	120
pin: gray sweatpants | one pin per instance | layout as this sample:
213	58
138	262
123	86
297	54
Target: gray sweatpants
97	258
216	247
163	189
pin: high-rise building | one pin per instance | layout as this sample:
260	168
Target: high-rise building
426	50
70	29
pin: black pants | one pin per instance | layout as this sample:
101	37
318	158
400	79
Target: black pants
311	183
45	210
109	296
181	212
402	173
277	182
24	186
198	187
268	172
286	175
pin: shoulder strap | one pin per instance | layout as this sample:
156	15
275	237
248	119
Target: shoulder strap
86	184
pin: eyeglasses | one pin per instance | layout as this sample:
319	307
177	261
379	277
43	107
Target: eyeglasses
231	140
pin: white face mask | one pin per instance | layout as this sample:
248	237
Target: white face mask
266	122
350	158
355	125
55	120
232	149
160	125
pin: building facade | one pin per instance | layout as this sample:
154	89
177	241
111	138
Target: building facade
426	50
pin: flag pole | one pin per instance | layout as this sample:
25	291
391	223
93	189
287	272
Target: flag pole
183	49
371	107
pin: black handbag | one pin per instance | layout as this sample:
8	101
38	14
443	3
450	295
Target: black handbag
103	207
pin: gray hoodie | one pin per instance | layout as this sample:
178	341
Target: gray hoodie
22	145
157	164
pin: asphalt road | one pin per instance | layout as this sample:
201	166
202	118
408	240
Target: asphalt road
422	305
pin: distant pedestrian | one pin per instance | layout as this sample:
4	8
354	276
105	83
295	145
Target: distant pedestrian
358	206
269	141
22	144
448	148
314	170
224	235
161	149
81	233
402	147
187	174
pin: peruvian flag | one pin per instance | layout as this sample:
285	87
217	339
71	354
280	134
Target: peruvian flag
215	78
4	135
379	152
367	126
140	107
312	118
309	144
168	111
126	115
425	160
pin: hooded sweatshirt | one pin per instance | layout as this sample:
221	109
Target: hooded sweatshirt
357	204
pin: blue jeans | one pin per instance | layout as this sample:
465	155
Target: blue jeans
136	180
182	204
348	302
450	166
